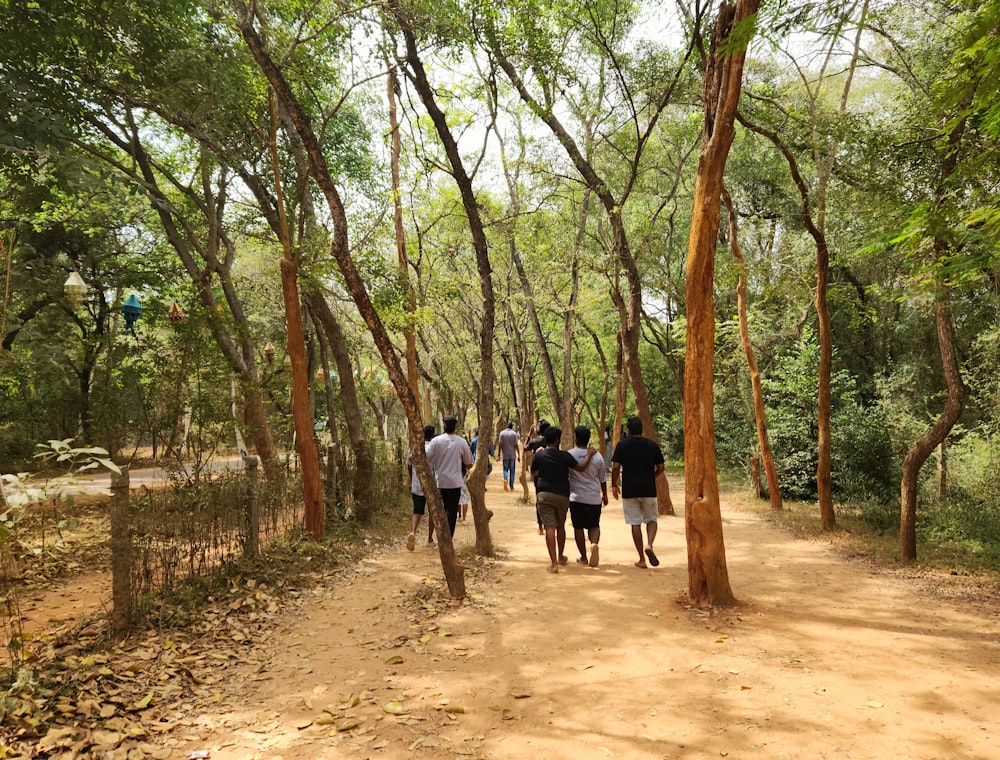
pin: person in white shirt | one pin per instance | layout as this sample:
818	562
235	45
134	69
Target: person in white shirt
450	457
588	493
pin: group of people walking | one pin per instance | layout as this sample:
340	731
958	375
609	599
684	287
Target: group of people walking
567	483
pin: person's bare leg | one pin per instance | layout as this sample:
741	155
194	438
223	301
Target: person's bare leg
550	544
650	537
595	539
637	540
581	545
561	541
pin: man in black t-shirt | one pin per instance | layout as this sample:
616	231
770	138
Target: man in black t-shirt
637	463
550	468
533	444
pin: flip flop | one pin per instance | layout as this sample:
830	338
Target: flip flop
641	565
411	542
581	560
651	556
552	569
563	560
594	556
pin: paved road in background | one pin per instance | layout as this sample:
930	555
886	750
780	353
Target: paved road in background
146	476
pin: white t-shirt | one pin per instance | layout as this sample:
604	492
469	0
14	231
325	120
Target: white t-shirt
447	453
415	486
585	487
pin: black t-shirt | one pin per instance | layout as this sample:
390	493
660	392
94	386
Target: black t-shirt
638	457
553	466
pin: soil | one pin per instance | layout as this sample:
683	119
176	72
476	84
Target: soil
823	657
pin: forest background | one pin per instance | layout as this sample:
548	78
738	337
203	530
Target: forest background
406	210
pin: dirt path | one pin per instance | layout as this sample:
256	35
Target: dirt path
824	659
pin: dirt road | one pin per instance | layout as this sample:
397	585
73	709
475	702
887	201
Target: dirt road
823	659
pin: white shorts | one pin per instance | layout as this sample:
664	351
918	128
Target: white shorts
640	509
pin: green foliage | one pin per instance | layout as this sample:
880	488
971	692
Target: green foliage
970	510
862	451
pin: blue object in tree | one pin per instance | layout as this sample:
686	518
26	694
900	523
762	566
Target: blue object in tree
132	310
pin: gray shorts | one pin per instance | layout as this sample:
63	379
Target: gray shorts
552	509
640	509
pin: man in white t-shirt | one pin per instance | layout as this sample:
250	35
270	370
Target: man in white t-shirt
450	457
588	493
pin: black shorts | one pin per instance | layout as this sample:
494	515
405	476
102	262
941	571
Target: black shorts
585	516
419	503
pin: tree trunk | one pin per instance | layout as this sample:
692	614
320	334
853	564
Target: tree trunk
763	441
942	470
621	393
938	432
409	331
477	479
824	450
363	465
312	486
341	252
708	576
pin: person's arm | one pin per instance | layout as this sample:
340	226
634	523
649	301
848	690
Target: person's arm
582	465
616	470
604	494
658	470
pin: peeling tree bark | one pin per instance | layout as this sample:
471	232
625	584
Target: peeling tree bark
708	576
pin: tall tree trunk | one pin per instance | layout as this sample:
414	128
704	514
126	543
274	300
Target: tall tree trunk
942	470
708	576
409	332
418	75
353	419
454	571
938	432
763	441
312	484
621	392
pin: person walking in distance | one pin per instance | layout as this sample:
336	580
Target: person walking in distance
588	492
450	458
419	500
636	464
510	454
551	468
